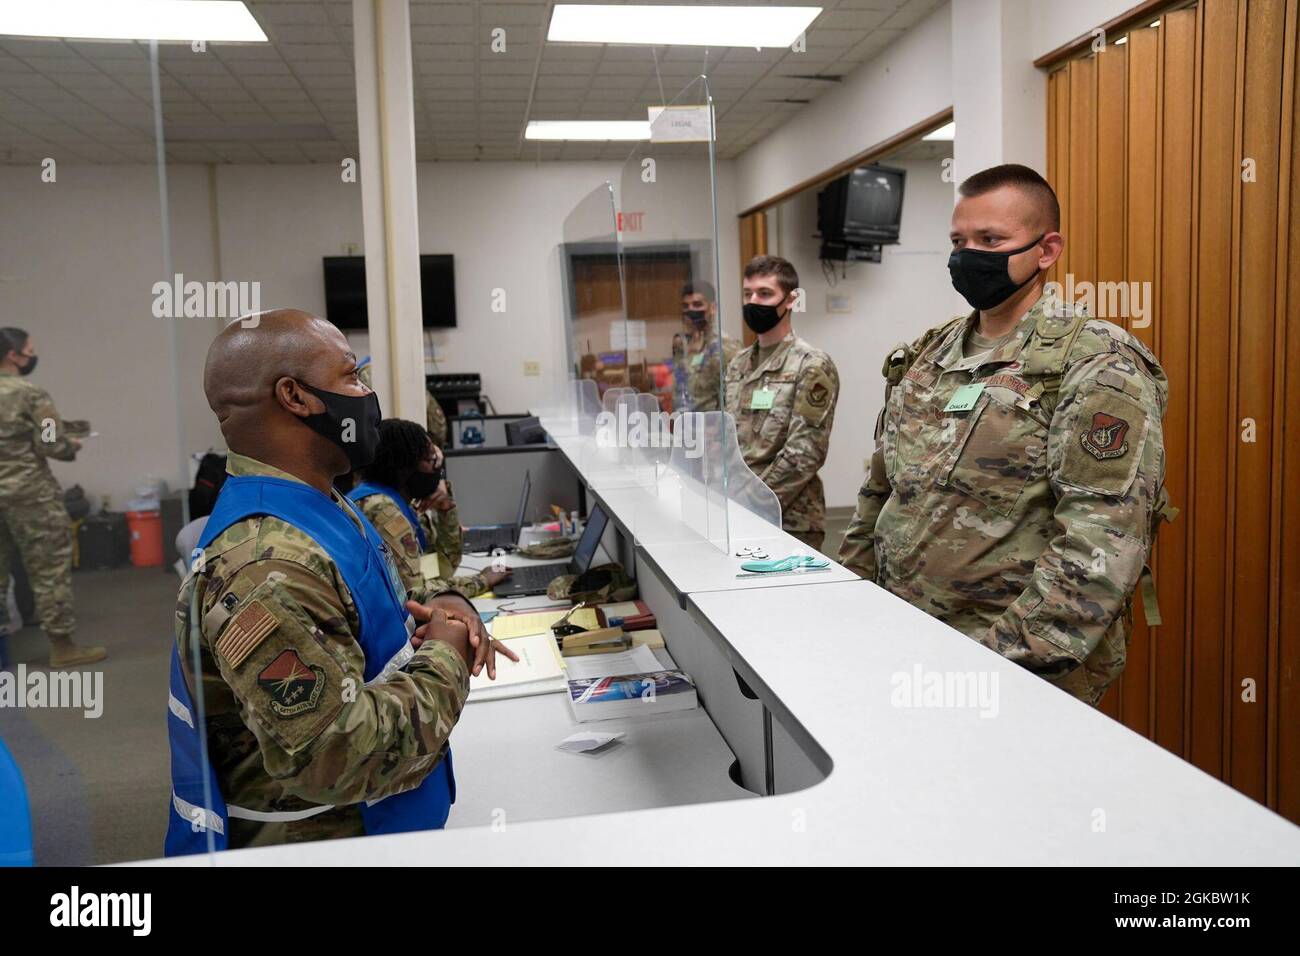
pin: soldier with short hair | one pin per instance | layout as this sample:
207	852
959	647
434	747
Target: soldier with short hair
34	523
397	490
1019	465
782	393
705	352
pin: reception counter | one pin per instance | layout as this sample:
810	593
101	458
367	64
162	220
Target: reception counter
839	725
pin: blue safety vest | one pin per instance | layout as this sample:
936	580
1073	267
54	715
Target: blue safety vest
198	806
369	488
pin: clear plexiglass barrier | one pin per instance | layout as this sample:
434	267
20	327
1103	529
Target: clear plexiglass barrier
595	317
646	319
707	491
676	307
572	411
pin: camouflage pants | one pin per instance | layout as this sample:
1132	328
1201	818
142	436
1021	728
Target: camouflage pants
38	531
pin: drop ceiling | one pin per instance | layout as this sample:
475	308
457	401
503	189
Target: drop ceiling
293	100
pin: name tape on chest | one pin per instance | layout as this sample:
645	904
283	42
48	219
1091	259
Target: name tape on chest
1002	380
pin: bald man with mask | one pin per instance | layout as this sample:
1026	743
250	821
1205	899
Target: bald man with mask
311	696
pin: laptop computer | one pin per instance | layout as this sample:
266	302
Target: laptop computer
534	578
483	538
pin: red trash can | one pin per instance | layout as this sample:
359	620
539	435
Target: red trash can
146	538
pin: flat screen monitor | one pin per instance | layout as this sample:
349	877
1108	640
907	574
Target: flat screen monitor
345	291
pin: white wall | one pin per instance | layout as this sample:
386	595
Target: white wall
502	221
78	259
891	302
1001	113
84	252
908	81
1055	22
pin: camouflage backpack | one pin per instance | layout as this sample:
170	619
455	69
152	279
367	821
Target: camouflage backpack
597	585
549	549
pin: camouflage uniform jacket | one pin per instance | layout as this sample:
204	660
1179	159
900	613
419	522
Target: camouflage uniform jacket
1024	520
784	408
358	742
699	374
435	420
396	530
31	432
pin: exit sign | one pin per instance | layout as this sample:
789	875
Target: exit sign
631	221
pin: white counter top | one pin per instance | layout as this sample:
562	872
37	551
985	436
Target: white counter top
1033	777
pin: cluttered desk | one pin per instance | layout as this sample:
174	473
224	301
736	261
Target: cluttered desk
596	716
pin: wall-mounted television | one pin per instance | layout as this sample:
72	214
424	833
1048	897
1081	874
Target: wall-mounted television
345	291
865	207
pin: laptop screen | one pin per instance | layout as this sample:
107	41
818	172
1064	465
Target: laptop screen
523	500
589	541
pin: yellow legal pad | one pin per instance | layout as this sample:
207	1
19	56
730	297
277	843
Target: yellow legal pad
506	626
429	567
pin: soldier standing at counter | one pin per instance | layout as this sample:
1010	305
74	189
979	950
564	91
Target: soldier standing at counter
325	711
782	393
1019	463
705	353
33	520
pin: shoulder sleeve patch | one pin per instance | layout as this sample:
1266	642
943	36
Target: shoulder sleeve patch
289	685
397	526
245	631
816	398
1102	449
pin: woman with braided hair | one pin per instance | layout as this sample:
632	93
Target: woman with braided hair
404	480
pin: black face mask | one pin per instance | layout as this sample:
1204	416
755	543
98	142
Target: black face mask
349	421
30	366
422	484
984	278
761	318
697	318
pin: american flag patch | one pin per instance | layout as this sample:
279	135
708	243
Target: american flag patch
245	631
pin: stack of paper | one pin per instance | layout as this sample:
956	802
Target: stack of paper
540	670
639	660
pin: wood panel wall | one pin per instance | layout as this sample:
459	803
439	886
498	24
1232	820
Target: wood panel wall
1146	145
753	242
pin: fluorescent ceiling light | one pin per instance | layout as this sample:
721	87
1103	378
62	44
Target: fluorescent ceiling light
182	20
1121	41
947	133
683	25
587	129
